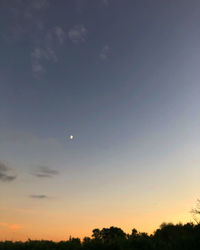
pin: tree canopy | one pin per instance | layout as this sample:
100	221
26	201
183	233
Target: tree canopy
167	237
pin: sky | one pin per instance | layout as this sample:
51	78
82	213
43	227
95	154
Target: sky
122	78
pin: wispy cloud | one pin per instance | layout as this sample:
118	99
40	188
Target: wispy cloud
4	173
78	33
104	52
60	34
10	226
47	48
38	196
37	56
43	172
27	23
37	67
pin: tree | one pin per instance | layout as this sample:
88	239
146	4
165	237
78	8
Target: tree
96	234
112	234
196	212
134	233
108	234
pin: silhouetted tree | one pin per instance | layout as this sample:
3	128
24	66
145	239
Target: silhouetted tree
112	234
196	212
96	234
167	237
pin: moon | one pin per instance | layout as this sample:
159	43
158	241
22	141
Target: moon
71	137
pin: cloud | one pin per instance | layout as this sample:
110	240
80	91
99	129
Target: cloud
78	33
37	67
60	34
4	176
3	167
38	196
43	172
27	24
10	226
104	52
47	48
37	55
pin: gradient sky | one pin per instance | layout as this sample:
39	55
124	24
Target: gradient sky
122	77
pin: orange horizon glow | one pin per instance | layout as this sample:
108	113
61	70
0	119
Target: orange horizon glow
55	230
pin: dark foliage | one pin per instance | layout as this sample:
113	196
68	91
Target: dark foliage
167	237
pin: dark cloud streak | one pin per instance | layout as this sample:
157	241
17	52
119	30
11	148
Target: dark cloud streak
4	176
38	196
45	172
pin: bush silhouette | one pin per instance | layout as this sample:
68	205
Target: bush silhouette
167	237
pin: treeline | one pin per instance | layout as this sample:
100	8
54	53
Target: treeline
167	237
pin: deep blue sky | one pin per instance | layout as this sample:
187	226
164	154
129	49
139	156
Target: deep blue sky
122	76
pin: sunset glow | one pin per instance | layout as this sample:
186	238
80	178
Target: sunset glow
99	116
